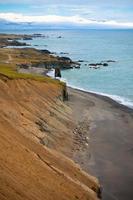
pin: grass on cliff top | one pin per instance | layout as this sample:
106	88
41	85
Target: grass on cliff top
11	73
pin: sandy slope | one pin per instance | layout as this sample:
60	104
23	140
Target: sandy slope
33	122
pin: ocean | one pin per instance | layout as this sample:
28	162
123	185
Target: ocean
92	46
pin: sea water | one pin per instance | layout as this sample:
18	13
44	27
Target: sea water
92	46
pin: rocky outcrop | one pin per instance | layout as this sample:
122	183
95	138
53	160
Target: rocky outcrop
81	61
36	35
105	64
111	61
57	72
16	43
102	63
12	40
30	57
64	53
27	38
4	42
45	51
58	62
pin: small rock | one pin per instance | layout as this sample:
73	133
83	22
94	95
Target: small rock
109	61
105	64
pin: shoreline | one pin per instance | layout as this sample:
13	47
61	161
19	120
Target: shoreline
105	98
104	141
98	94
104	95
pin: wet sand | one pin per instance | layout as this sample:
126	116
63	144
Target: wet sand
107	151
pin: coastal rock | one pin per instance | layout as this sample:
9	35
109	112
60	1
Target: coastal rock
6	42
66	59
77	66
111	61
35	35
64	53
14	39
93	64
27	38
96	64
16	43
99	64
105	64
81	61
45	51
57	72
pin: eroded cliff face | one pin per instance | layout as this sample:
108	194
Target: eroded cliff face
35	126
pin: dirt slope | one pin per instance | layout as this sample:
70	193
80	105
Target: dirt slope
34	122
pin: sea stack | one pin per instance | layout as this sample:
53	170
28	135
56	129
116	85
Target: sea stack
57	72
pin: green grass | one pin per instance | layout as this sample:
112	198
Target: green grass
11	73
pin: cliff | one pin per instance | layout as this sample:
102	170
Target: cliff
35	127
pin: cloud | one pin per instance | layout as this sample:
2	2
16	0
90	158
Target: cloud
57	19
114	10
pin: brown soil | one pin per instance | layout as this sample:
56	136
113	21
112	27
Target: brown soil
34	125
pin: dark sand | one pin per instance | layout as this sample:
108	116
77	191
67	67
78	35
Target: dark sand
107	147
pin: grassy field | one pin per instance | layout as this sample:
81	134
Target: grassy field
10	59
11	73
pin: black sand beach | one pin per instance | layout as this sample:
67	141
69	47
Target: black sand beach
107	129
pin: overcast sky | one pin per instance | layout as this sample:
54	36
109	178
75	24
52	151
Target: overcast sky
117	13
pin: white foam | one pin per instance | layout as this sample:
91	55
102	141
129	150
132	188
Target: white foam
51	73
121	100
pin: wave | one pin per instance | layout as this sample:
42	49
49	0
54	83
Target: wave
51	73
121	100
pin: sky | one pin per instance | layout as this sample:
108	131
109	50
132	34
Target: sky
85	13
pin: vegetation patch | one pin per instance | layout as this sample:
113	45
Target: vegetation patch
11	73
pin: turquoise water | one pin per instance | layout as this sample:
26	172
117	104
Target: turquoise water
93	46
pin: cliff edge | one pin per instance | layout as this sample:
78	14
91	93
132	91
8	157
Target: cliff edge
35	126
